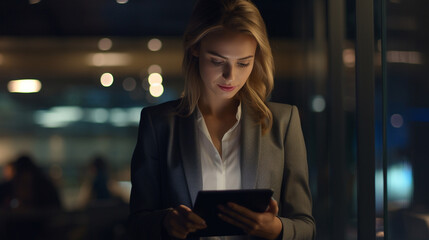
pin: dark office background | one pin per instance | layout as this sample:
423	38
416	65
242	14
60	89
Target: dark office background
80	128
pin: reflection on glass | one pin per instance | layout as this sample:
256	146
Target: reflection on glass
407	120
399	186
396	120
410	57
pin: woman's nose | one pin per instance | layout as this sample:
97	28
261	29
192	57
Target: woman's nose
228	72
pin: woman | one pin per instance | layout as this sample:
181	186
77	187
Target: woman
222	134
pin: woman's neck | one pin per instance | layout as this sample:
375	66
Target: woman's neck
218	108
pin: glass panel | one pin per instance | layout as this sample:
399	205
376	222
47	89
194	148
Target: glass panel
379	113
407	119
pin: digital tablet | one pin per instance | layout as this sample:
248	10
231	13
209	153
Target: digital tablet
206	207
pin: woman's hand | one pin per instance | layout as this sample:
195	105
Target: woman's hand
181	221
266	225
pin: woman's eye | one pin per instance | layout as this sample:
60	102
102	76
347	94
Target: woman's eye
217	62
243	65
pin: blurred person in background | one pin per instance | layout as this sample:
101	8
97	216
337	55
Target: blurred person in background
99	198
95	185
8	171
28	201
98	189
27	187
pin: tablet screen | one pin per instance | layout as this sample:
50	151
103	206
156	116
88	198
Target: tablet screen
206	207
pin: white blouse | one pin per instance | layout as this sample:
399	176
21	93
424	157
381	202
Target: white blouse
220	172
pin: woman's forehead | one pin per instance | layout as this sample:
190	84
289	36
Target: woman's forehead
229	43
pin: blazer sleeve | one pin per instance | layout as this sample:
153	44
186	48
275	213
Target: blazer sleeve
296	206
146	212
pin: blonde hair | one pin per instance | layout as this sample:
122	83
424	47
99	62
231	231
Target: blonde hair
236	15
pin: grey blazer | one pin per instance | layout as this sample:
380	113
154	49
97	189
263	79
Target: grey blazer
166	171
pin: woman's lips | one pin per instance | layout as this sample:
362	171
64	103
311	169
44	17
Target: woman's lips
226	88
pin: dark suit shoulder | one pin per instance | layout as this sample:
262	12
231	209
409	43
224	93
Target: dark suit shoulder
169	106
162	112
281	111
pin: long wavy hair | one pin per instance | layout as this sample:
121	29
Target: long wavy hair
236	15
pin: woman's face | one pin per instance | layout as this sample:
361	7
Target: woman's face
226	60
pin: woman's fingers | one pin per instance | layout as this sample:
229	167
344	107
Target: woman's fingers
178	234
264	224
273	207
239	214
180	221
233	221
192	219
171	224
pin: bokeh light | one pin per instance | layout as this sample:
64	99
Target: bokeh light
106	79
98	115
155	78
109	59
349	57
24	86
410	57
318	103
129	84
154	44
105	44
396	120
154	68
156	90
118	117
59	116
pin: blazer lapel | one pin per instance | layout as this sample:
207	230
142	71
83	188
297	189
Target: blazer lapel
250	149
190	155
